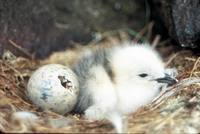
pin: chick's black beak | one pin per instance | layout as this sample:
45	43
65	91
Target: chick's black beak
167	79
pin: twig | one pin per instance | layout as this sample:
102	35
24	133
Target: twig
16	71
141	33
149	34
174	56
163	122
190	59
170	91
194	67
21	49
156	41
171	58
164	42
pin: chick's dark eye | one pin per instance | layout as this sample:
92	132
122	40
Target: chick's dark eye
143	75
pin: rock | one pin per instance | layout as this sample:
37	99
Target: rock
180	19
41	27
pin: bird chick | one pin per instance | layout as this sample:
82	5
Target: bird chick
118	80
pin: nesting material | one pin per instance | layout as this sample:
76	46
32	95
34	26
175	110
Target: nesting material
177	110
53	87
24	117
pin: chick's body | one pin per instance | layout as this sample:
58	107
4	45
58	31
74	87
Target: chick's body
117	80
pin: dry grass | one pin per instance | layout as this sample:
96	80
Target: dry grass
177	112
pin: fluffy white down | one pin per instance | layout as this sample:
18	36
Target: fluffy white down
129	91
132	90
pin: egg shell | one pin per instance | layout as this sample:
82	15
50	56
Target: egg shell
53	87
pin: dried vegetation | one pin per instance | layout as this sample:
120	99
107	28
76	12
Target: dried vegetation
177	110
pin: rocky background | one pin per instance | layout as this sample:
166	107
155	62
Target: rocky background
41	27
49	25
180	18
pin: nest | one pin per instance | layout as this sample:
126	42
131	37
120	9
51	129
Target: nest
174	111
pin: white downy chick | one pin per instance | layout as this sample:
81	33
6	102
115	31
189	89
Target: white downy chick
118	80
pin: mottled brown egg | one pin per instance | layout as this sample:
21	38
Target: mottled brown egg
53	87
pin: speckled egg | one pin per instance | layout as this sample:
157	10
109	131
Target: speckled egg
53	87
